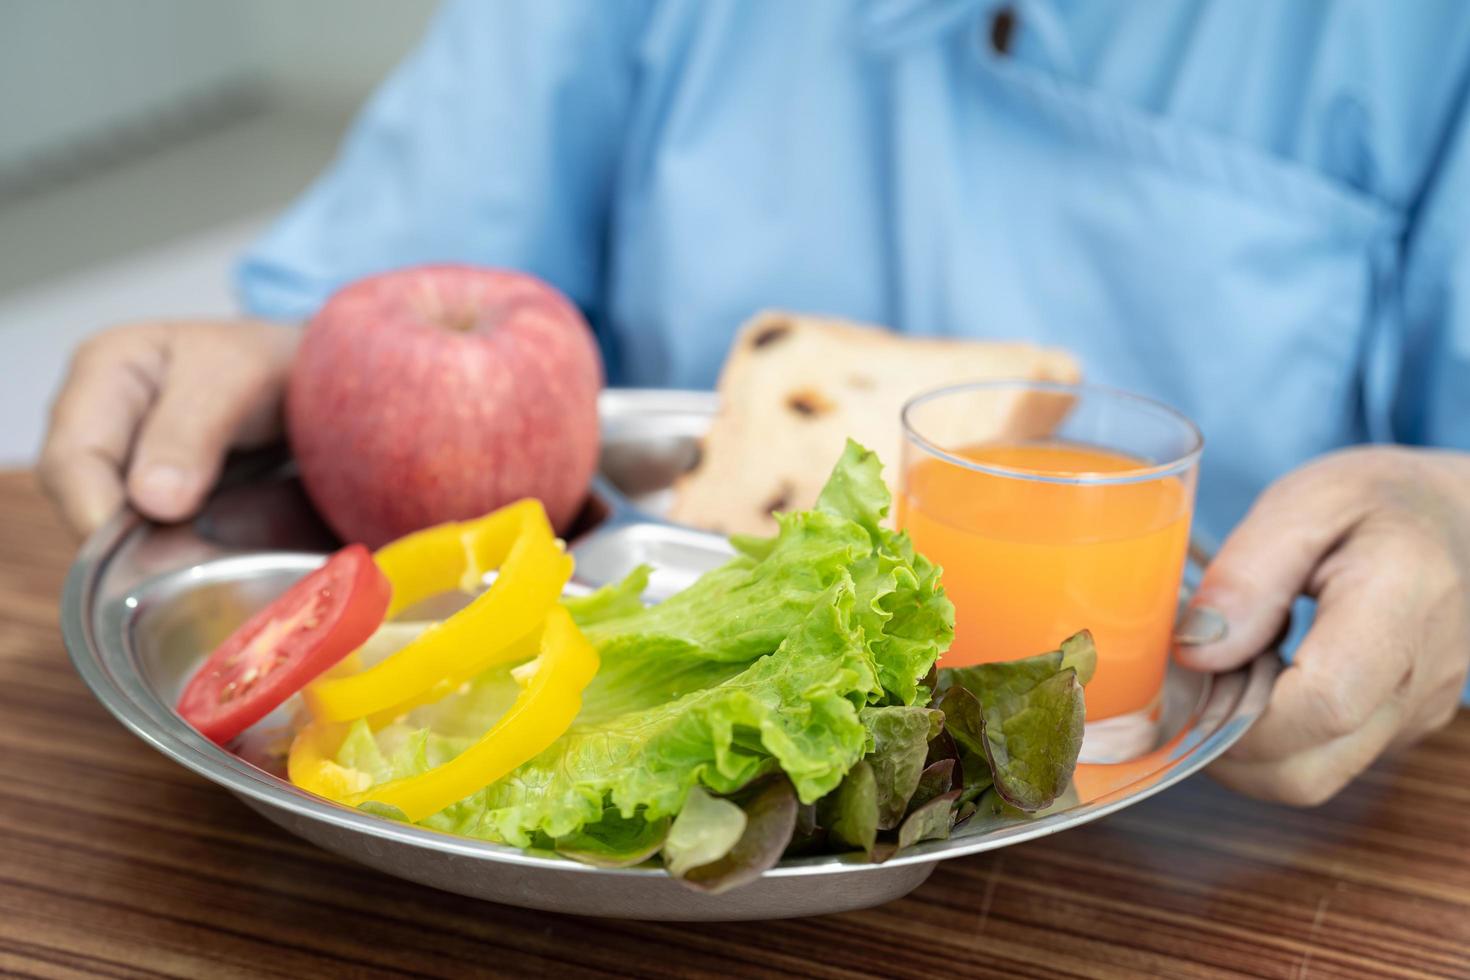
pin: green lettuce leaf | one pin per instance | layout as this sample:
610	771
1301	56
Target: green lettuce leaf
885	786
900	746
852	811
970	770
706	829
770	820
1079	652
1024	718
936	780
1033	740
611	601
615	841
909	617
902	606
744	609
995	682
932	820
795	710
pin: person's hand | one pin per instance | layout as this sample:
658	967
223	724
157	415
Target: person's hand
147	413
1381	538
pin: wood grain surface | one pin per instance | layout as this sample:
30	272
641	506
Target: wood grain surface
116	862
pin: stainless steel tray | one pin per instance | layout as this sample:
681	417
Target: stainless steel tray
144	602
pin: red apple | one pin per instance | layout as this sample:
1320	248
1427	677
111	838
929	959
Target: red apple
440	393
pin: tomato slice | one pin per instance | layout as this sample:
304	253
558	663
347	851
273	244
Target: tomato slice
316	623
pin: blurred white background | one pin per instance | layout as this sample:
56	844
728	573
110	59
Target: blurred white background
143	144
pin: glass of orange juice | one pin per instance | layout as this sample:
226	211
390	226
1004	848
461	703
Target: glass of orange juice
1054	508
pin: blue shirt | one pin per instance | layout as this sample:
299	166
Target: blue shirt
1253	210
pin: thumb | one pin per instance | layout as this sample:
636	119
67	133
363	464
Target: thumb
1245	597
205	402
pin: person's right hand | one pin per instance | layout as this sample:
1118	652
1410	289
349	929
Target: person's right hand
148	412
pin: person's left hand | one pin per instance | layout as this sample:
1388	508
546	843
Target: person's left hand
1381	538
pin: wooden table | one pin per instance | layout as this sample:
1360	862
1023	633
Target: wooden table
116	862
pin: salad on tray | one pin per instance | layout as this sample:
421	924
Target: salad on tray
786	703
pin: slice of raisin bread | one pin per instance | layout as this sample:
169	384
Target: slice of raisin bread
795	387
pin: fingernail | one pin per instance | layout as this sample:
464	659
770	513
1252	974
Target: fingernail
163	487
1200	626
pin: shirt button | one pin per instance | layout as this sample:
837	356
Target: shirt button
1002	29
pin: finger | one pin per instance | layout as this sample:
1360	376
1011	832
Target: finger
1438	680
1359	653
1243	601
85	486
1438	710
1313	777
107	391
1318	702
206	400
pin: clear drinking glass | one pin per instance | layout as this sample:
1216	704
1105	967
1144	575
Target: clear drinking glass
1054	508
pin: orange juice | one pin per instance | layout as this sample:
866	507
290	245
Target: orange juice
1027	563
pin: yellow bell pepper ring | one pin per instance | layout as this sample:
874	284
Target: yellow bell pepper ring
455	555
489	631
520	649
541	713
311	764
